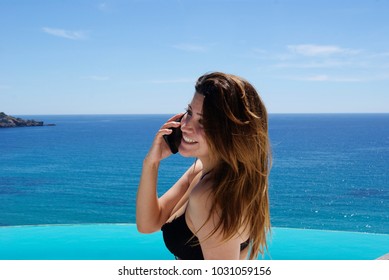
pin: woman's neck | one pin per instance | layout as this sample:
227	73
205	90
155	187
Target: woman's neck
207	165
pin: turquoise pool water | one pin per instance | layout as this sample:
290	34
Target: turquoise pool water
123	242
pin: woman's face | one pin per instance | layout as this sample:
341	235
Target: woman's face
193	143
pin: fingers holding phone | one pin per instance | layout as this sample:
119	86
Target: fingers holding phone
168	133
173	139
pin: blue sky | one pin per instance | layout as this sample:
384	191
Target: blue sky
131	57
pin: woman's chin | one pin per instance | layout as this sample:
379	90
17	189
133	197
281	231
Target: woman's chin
185	151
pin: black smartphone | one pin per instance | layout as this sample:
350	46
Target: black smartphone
174	139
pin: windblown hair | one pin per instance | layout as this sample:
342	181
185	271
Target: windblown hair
236	129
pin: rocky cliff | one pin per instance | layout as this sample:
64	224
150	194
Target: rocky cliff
9	121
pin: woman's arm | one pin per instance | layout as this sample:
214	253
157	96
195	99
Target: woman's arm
151	211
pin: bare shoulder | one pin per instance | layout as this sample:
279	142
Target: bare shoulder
198	210
204	224
201	196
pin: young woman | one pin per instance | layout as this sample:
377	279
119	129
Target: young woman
219	208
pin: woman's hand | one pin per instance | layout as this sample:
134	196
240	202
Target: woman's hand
160	149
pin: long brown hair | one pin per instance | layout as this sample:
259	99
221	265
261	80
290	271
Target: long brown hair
236	129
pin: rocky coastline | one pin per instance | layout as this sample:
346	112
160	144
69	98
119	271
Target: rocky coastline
7	121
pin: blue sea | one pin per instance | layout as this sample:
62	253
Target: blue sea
329	172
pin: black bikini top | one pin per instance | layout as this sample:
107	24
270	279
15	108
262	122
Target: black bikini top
182	243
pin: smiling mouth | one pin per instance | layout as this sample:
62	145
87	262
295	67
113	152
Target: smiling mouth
188	140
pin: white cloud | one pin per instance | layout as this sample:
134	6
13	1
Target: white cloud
325	78
313	64
72	35
379	55
190	47
319	78
319	50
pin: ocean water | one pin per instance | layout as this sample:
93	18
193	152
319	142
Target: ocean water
330	171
